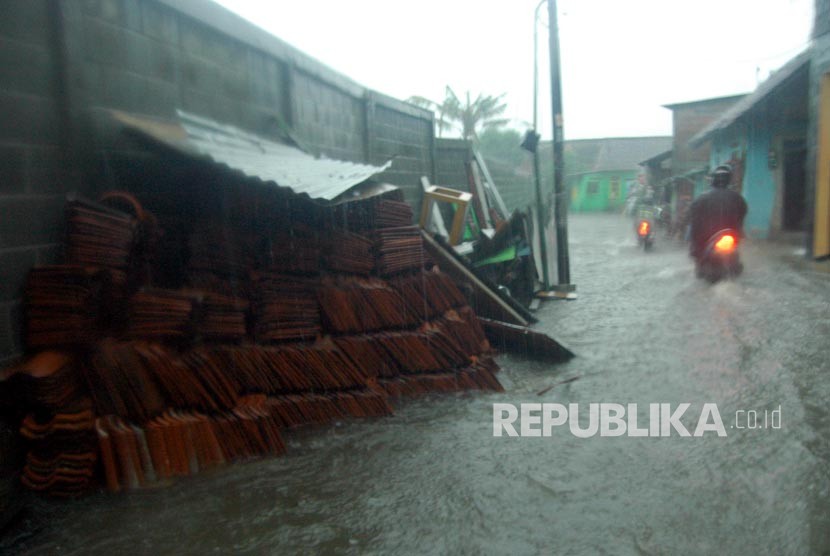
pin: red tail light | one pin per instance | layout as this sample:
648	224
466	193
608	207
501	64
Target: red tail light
726	244
643	228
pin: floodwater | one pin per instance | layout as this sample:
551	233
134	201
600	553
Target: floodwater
433	479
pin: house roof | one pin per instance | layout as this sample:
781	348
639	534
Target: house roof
776	80
319	179
712	100
659	157
614	153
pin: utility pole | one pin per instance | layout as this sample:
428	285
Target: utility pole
560	200
540	200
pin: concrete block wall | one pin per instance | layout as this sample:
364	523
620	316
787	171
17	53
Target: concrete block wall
330	121
451	157
35	167
64	62
399	133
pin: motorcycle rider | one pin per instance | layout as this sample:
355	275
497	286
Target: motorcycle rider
718	209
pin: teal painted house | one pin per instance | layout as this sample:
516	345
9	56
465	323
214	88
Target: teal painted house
607	169
763	137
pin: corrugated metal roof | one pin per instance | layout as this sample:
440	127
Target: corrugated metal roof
748	102
711	100
257	158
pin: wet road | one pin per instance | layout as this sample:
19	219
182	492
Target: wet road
432	479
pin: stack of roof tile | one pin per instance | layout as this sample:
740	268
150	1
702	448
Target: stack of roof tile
171	406
61	455
121	384
284	307
348	253
180	443
211	378
219	252
392	214
192	380
159	313
293	253
48	381
316	409
478	376
464	328
399	249
367	352
422	351
376	213
99	236
363	305
289	368
64	304
230	286
429	293
222	317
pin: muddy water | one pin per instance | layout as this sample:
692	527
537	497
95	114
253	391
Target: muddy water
432	479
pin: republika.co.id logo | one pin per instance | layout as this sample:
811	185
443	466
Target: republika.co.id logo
614	419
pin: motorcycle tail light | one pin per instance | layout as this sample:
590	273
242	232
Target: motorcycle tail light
643	228
726	244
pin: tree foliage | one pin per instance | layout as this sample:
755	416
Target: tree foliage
475	115
468	116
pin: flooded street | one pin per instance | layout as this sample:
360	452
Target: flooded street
433	479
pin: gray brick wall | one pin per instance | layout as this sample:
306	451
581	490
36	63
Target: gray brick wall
451	157
406	138
63	61
329	120
34	170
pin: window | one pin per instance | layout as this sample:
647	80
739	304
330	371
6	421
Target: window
614	189
593	187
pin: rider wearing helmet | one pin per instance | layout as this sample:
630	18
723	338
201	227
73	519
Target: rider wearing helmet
718	209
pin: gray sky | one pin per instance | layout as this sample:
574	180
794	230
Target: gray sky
622	59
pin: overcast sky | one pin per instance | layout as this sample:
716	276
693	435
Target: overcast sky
622	59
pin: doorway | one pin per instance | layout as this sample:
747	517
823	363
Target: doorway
795	186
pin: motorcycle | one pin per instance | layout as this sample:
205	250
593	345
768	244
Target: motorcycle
719	259
645	233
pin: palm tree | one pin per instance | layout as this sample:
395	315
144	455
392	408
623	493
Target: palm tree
445	111
478	114
471	115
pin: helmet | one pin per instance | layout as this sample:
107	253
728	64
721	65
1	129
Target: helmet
721	176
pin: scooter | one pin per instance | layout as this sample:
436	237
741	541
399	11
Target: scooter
645	233
719	258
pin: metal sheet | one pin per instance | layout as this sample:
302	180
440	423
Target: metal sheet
321	179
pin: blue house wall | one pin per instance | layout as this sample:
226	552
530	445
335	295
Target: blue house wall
759	181
751	139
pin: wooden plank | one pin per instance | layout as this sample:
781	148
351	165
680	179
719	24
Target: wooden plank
491	186
461	201
485	302
524	341
821	228
481	194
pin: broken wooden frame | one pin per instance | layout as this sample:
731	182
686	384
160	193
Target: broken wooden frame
461	201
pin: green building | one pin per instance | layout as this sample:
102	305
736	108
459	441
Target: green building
602	172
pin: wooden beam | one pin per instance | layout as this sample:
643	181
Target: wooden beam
524	341
821	225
